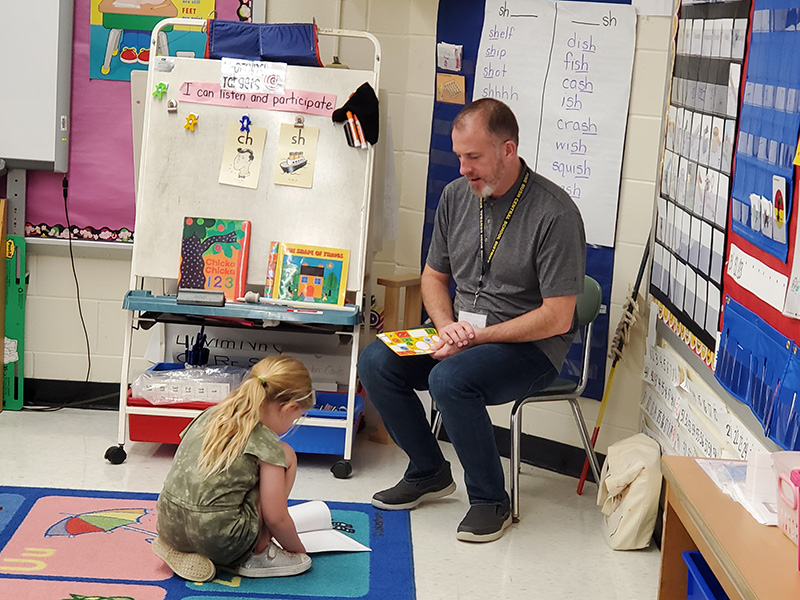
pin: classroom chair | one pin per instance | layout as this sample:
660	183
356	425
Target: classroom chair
588	307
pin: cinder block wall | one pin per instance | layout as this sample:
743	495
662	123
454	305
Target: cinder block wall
406	29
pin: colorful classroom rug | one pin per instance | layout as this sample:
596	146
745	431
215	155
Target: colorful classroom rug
60	544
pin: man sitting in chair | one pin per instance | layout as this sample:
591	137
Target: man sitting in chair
513	242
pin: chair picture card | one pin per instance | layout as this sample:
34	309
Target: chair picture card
242	155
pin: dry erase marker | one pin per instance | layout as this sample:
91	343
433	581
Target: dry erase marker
360	131
304	311
353	132
348	136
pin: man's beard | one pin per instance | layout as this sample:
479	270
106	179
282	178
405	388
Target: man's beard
489	188
486	192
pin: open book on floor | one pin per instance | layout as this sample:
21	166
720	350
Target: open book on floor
318	532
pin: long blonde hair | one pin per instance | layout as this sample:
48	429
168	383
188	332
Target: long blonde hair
278	379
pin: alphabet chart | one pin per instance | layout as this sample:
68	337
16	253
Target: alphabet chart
565	69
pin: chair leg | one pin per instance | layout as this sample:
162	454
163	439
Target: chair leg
436	424
587	443
516	435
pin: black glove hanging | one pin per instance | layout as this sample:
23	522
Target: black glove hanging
364	104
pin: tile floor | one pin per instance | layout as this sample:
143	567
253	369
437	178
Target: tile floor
556	551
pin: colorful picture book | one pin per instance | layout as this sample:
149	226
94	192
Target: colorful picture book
214	254
298	273
411	342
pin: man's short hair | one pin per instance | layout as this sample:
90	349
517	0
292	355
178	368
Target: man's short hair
499	118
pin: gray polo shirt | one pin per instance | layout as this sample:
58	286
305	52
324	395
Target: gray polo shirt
542	252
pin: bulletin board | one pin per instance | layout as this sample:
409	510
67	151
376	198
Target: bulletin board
101	177
751	318
697	167
508	54
181	167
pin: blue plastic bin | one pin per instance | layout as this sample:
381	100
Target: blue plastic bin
325	440
701	583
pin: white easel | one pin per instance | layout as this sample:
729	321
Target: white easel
178	178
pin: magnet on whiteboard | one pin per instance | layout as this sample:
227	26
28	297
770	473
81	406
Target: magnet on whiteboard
244	123
191	121
161	89
172	105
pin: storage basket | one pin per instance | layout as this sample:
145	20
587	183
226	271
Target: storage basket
785	465
701	584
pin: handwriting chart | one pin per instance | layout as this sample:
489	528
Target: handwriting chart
585	109
513	59
565	69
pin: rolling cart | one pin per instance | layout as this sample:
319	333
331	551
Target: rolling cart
179	177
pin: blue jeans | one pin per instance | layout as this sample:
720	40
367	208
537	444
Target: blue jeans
462	386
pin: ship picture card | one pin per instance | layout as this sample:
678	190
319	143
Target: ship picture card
214	254
242	154
412	342
297	154
310	274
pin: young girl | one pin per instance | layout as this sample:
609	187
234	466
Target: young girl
224	499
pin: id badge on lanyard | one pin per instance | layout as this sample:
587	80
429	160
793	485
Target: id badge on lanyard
477	320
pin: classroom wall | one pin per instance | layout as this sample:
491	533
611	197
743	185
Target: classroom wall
406	29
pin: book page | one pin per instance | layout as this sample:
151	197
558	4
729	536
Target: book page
315	528
330	540
310	516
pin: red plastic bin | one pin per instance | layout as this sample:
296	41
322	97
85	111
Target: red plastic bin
161	429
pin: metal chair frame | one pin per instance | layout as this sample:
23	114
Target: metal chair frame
561	389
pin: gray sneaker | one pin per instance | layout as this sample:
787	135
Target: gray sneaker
408	494
484	523
188	565
274	562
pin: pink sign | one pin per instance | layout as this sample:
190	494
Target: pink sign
311	103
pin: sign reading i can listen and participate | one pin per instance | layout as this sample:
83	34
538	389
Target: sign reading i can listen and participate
296	101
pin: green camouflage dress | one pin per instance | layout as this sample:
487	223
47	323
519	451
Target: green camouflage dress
216	516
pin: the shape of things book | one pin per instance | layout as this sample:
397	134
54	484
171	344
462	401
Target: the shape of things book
214	255
410	342
319	533
300	275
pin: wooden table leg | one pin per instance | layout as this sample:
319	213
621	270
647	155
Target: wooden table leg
674	540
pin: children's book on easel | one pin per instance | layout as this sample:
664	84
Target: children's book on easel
299	274
214	254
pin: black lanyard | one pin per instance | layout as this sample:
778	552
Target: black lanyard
485	264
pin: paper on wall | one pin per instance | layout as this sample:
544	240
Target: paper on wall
448	56
758	278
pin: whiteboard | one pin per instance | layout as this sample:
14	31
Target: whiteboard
36	50
180	169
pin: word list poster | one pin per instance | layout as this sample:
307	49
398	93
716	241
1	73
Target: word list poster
565	70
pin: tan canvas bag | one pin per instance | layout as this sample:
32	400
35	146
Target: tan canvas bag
630	485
